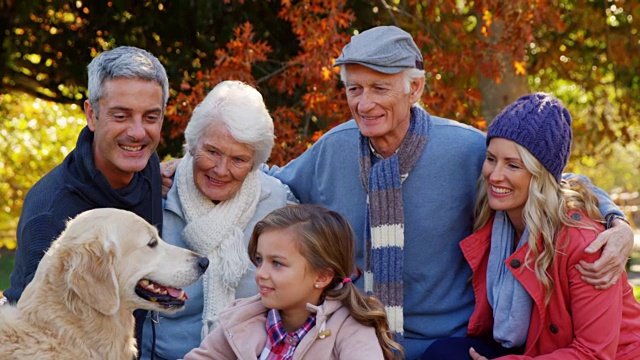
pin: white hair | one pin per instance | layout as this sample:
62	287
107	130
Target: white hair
241	109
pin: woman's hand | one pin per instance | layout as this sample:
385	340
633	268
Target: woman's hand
168	168
475	356
616	244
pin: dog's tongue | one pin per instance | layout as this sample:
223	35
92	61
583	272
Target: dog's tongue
176	292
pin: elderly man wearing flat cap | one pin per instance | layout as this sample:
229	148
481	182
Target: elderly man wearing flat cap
406	181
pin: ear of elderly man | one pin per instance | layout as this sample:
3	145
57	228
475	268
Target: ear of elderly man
406	181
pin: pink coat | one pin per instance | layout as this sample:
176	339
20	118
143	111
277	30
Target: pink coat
242	335
579	322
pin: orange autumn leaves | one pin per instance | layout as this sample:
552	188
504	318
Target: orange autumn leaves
303	93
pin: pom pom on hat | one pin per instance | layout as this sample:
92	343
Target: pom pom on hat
542	125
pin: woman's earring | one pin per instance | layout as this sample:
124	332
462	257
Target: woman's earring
316	286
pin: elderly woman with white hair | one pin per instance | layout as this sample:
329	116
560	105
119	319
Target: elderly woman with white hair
216	199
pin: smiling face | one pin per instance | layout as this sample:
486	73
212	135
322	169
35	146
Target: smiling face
507	179
115	261
220	163
127	127
380	105
284	277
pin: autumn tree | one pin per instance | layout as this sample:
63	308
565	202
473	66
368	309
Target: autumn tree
36	135
479	56
482	55
591	63
302	90
46	45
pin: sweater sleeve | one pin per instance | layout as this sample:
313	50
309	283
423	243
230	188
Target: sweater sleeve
606	204
34	239
299	174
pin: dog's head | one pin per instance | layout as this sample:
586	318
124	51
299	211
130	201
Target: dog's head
112	259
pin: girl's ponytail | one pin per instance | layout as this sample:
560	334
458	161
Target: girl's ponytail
368	311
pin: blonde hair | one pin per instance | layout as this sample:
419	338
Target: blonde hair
326	241
545	213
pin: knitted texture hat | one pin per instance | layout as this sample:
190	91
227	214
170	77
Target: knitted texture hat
541	124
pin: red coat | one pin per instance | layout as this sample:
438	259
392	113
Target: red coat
579	322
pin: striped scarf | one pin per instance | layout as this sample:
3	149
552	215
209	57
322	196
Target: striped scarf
384	220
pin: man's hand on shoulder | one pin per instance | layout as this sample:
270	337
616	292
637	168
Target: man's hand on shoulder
168	169
616	244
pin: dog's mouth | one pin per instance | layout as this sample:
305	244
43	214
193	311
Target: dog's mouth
165	296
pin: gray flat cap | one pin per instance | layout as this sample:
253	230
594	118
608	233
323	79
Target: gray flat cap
386	49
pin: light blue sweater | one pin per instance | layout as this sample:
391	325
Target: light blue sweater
178	333
438	198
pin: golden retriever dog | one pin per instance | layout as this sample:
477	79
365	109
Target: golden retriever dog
107	263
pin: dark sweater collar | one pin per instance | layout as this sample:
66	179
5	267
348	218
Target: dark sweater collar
87	181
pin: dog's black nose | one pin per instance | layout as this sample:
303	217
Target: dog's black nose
203	263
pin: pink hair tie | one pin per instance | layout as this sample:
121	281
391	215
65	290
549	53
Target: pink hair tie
341	284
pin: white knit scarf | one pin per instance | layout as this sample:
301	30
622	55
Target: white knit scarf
216	230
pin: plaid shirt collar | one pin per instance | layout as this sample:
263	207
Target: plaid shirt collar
281	345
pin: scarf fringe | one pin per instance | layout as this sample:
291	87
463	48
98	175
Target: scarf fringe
232	254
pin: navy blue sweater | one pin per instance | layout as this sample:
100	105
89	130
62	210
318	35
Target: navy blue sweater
70	188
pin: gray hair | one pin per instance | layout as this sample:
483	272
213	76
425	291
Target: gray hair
125	62
410	74
241	109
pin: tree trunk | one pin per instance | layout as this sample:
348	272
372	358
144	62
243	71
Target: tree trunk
497	95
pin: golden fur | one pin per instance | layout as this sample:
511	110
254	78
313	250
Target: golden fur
80	302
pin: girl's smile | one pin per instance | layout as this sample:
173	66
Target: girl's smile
284	277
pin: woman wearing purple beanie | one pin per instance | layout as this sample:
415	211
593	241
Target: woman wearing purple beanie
531	230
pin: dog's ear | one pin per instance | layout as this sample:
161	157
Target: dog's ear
91	275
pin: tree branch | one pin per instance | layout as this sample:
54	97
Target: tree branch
5	88
417	21
272	74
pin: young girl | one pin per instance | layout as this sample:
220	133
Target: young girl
307	307
532	229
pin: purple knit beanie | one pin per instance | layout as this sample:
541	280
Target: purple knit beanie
541	124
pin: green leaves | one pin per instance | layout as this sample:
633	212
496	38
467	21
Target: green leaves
36	136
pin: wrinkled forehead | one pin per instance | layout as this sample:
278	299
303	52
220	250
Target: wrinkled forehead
362	75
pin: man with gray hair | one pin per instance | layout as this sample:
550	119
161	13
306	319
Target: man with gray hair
406	180
114	163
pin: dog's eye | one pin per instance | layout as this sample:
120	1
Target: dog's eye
152	243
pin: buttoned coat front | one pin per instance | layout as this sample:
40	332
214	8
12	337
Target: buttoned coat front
242	335
579	322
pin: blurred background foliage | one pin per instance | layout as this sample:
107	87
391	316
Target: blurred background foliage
36	135
479	56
